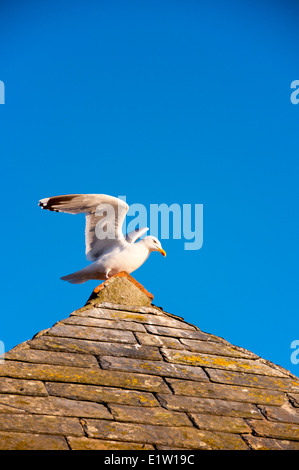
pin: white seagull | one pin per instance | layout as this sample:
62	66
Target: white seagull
110	251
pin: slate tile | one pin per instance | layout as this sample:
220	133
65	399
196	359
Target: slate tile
101	394
253	380
10	440
218	362
220	423
176	332
294	397
151	367
226	392
131	317
40	424
211	406
262	443
92	376
216	348
157	415
98	348
51	357
164	341
85	443
104	323
229	441
22	387
55	406
275	430
93	333
285	413
186	437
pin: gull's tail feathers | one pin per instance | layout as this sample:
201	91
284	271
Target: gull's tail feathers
74	278
83	275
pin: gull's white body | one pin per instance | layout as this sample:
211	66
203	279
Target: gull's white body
128	258
109	255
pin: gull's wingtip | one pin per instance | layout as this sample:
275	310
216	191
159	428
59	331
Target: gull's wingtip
43	202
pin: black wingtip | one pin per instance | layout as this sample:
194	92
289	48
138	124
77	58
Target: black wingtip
43	205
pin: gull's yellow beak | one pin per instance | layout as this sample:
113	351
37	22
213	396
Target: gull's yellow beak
162	252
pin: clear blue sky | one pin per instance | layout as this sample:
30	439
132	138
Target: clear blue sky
165	102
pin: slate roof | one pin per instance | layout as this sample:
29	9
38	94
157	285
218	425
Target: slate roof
120	373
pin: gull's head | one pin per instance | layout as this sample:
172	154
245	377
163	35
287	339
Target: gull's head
154	244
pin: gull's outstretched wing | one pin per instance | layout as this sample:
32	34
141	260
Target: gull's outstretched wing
104	219
131	237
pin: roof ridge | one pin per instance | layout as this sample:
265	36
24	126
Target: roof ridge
121	274
128	290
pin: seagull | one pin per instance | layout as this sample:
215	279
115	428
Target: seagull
110	251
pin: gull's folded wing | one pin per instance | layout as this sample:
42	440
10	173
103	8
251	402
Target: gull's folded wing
131	237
